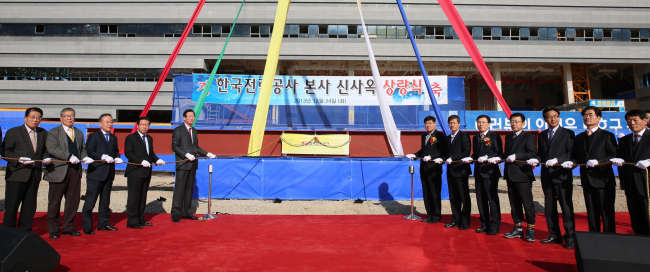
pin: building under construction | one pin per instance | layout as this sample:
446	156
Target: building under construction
105	55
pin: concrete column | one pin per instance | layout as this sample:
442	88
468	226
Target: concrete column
473	94
569	98
535	94
497	80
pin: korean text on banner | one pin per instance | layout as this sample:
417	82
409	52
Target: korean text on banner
309	144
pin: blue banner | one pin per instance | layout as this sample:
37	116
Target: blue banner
613	121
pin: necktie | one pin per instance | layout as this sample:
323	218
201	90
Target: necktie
189	130
106	134
426	139
32	136
550	135
637	139
589	132
71	134
452	138
144	139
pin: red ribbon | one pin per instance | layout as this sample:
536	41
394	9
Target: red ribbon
460	28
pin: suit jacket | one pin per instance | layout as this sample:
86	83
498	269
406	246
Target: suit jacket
494	149
603	148
182	144
96	147
628	174
458	149
57	147
524	148
438	149
136	151
18	144
559	148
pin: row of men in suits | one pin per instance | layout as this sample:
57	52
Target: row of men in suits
59	151
557	150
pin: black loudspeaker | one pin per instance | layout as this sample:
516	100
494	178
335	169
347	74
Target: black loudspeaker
612	252
25	251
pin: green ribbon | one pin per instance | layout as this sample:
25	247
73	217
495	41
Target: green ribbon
206	89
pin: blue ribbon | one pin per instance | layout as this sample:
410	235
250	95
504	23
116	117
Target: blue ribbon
441	120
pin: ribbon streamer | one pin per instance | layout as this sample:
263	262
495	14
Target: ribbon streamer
392	132
436	108
206	90
460	28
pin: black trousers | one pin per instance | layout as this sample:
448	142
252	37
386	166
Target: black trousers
183	190
520	195
487	199
70	188
562	193
95	189
600	205
136	200
431	187
21	194
637	206
461	203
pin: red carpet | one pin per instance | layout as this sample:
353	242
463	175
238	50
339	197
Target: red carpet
308	243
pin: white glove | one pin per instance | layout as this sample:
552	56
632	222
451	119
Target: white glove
410	156
88	160
448	161
190	157
118	160
74	159
551	162
494	160
591	163
145	164
160	162
532	162
47	161
617	161
109	159
567	164
483	159
426	158
643	164
511	158
26	161
438	161
467	159
211	156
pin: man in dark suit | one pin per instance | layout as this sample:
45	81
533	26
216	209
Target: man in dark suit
488	147
433	147
593	147
64	143
554	148
185	144
138	148
27	143
101	145
520	145
635	148
458	175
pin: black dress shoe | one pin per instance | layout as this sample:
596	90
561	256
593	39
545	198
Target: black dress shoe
89	232
463	227
425	220
480	230
569	244
135	227
71	233
176	218
191	217
108	228
451	225
492	232
147	224
551	240
54	235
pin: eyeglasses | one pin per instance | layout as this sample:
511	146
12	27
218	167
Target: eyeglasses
67	116
34	117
